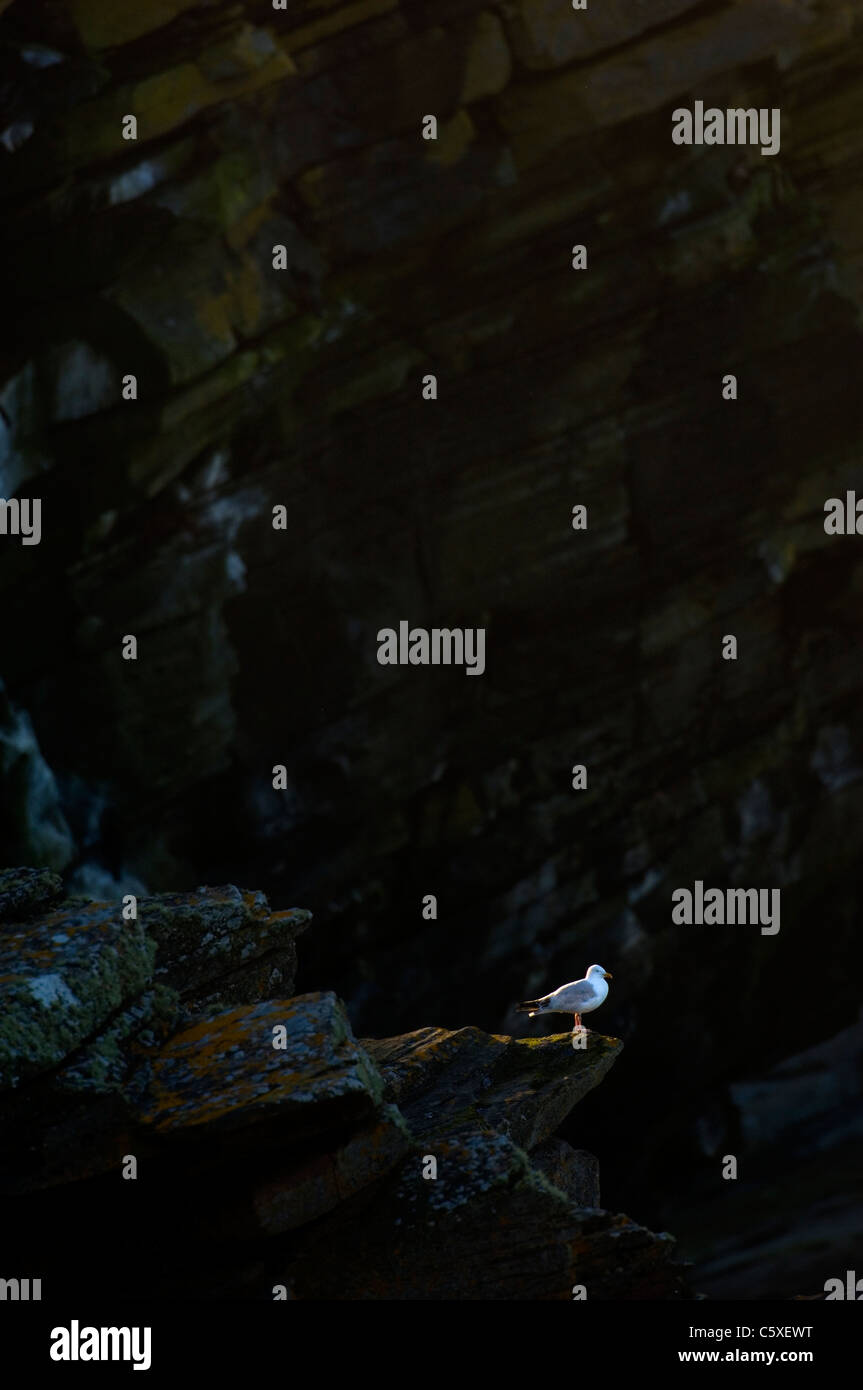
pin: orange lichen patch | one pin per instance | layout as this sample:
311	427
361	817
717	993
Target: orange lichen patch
227	1069
62	934
292	916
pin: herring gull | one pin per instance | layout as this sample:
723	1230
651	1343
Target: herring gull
580	997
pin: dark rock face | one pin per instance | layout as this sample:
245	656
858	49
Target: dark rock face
301	388
800	1125
24	892
266	1134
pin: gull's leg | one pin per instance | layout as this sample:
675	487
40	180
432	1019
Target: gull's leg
577	1022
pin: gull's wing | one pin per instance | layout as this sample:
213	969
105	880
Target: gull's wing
573	997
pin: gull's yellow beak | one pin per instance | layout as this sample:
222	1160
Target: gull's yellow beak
606	975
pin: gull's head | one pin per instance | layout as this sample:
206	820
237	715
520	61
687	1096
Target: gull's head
596	972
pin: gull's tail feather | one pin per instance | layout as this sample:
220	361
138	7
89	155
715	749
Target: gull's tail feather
530	1006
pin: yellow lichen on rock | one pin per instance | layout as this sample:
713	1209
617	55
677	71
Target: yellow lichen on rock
344	18
161	103
454	138
489	62
103	25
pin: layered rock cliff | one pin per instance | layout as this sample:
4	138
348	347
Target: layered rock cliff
300	388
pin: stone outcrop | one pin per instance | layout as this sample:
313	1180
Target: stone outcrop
266	1136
